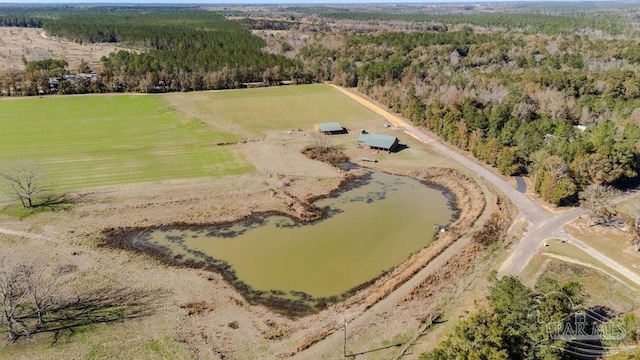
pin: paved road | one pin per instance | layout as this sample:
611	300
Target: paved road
522	186
599	256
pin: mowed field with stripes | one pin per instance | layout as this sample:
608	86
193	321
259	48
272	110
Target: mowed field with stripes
95	140
87	141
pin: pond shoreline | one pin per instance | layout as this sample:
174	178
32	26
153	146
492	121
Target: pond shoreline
301	304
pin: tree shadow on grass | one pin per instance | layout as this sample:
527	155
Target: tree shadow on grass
62	202
49	203
55	203
103	306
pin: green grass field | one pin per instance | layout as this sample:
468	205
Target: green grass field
87	141
253	112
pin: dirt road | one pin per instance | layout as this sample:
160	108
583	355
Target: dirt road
22	233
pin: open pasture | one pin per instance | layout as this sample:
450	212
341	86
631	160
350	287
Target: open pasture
253	112
87	141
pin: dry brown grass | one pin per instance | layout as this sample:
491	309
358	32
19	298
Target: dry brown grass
470	202
493	231
18	42
329	154
200	302
197	308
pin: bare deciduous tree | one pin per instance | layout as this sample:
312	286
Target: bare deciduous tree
597	199
27	292
36	298
24	182
633	211
41	289
320	142
13	299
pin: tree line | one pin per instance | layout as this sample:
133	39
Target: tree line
559	108
175	49
529	22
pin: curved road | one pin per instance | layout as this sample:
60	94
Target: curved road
543	224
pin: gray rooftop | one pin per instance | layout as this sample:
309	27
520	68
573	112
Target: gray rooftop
330	127
377	140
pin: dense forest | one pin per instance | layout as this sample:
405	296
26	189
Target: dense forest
173	49
549	92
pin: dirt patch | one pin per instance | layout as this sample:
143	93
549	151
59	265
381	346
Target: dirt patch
284	157
30	43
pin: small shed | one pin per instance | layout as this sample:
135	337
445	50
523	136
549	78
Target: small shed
378	142
329	128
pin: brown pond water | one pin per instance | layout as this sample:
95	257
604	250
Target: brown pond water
368	230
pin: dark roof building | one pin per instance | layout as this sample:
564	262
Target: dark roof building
378	142
329	128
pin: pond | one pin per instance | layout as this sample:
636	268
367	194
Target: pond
368	229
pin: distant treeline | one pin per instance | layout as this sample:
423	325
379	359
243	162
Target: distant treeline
176	49
532	23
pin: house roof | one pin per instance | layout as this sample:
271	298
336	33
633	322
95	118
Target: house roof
330	127
378	140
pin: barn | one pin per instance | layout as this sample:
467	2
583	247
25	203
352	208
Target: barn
378	142
329	128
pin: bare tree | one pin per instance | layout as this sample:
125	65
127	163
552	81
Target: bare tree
13	299
27	293
24	182
633	209
34	299
598	200
41	288
633	212
320	142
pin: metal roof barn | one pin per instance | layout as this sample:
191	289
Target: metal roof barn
329	128
378	141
